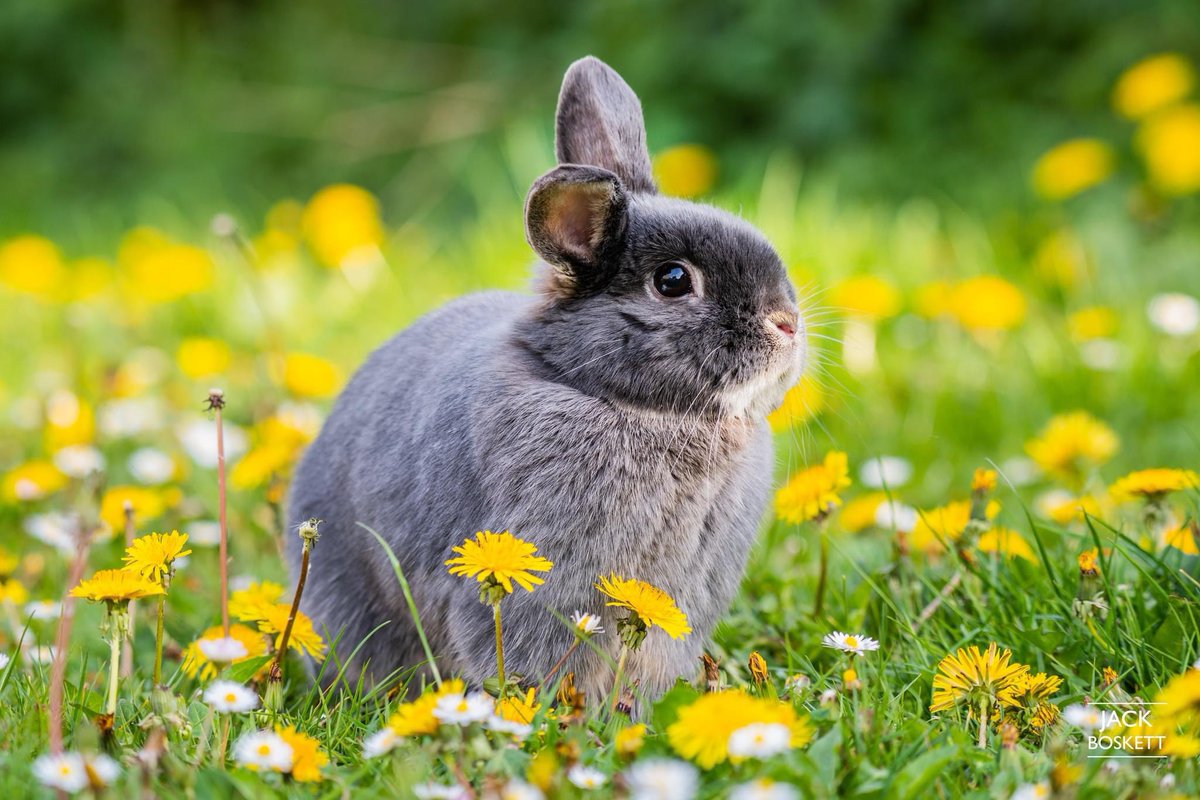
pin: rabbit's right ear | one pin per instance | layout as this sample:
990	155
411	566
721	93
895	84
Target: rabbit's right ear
599	123
575	219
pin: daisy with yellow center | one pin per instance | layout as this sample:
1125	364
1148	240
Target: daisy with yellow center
1153	485
702	730
416	718
496	561
115	588
852	643
153	557
1072	443
980	681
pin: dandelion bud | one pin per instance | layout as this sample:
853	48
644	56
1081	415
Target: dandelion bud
758	669
712	673
850	680
273	697
632	631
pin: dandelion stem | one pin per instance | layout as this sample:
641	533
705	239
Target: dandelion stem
983	705
499	649
158	636
114	670
223	739
819	603
216	399
558	665
58	669
127	655
618	678
291	620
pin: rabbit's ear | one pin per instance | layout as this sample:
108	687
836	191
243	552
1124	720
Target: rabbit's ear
575	219
599	123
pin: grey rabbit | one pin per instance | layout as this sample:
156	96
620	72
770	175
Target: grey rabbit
616	419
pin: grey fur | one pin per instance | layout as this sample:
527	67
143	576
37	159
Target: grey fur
618	430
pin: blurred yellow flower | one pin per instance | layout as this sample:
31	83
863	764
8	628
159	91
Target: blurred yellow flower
116	586
702	729
933	299
1071	443
342	223
89	277
147	505
1094	322
8	563
1170	145
278	441
1153	484
32	480
1061	260
307	755
303	638
69	420
686	170
860	513
1180	699
649	603
1153	83
987	303
866	296
1184	539
202	357
156	269
984	480
152	555
197	665
1006	541
517	708
1071	167
1068	509
32	265
630	740
13	591
256	601
416	717
308	375
802	402
813	492
945	524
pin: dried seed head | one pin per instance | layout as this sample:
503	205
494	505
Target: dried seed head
216	399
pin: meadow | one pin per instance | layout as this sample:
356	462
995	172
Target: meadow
983	545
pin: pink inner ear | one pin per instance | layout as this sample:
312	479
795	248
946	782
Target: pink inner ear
575	218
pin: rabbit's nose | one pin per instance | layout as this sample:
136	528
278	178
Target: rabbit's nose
786	322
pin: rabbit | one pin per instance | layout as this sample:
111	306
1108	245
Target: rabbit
615	417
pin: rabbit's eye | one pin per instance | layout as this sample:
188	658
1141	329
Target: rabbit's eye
672	280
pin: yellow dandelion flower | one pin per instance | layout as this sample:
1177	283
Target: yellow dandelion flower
1093	322
8	563
197	665
866	296
860	513
308	375
945	524
1153	484
686	170
1071	443
1153	83
1184	539
13	591
1180	699
987	303
32	265
1169	142
147	505
650	604
416	718
984	480
202	357
256	601
630	740
972	677
33	480
1033	712
702	730
1089	562
814	491
69	421
1006	542
1068	509
802	402
758	668
152	555
304	637
155	269
1072	167
515	708
341	224
307	755
500	558
262	463
115	586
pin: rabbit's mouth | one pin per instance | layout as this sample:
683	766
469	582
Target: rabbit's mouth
762	394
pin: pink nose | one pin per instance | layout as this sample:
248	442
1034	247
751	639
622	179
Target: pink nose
786	327
786	321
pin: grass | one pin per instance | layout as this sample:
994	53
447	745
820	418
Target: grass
946	399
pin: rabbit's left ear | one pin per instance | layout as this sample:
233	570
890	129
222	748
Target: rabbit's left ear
599	123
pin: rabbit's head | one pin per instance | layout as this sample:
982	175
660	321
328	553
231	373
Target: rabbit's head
651	302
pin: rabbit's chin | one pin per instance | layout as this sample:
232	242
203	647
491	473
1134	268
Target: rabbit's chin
761	395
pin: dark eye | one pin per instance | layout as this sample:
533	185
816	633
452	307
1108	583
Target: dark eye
672	280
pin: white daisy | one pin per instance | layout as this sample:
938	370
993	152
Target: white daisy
1020	471
520	790
227	697
438	791
1101	355
1089	718
499	724
130	416
1174	314
54	528
222	649
853	643
43	610
586	623
263	750
4	659
101	770
764	789
151	466
79	460
662	779
895	516
198	437
204	532
66	772
586	777
380	742
457	709
885	471
1032	791
760	740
